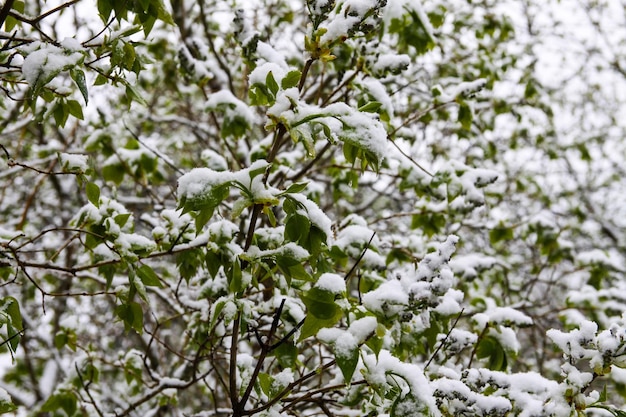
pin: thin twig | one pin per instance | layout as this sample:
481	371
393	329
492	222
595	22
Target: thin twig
265	349
351	271
4	12
35	20
445	339
234	398
86	388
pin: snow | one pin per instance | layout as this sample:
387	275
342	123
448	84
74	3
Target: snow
429	284
43	64
74	162
4	396
199	182
459	339
468	266
130	243
7	235
291	250
282	379
267	53
346	19
213	160
376	89
331	282
72	44
316	216
379	368
390	62
358	128
236	107
388	299
346	124
469	87
345	342
353	240
259	74
508	315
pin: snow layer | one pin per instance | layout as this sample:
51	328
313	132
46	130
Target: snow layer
43	64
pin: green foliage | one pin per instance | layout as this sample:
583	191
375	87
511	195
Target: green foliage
369	208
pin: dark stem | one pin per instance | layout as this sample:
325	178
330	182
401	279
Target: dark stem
445	339
4	12
351	271
265	349
86	388
234	398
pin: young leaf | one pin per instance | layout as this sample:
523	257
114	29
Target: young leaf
295	188
347	362
371	107
271	84
93	193
465	115
132	316
79	78
75	109
291	79
148	276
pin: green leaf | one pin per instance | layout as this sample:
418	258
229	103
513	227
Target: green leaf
188	262
429	223
10	21
207	200
297	228
108	272
350	152
134	94
292	268
132	316
105	8
292	79
313	324
321	304
75	109
122	219
235	277
295	188
603	395
93	193
219	306
11	315
265	383
114	173
500	233
491	349
347	362
60	113
100	80
465	115
61	400
213	263
375	343
203	217
148	276
65	337
286	353
371	107
6	406
79	78
129	56
271	84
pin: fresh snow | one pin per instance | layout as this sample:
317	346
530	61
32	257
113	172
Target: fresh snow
74	162
331	282
43	64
